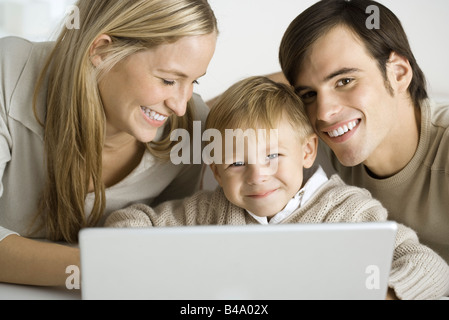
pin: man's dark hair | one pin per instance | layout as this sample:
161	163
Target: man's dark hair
323	16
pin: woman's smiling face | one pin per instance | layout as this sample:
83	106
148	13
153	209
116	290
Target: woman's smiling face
143	90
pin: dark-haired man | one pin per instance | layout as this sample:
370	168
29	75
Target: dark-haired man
366	98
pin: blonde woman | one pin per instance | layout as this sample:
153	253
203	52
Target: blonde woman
85	125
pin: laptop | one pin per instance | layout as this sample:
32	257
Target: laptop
261	262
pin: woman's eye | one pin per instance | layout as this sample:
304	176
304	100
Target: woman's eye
169	82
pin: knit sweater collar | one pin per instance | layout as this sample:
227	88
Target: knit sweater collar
318	178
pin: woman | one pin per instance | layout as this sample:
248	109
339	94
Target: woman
85	125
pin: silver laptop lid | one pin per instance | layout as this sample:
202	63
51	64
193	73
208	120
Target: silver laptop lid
317	261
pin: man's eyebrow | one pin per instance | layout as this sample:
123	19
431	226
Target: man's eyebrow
340	72
337	73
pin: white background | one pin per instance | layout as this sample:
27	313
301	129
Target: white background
250	33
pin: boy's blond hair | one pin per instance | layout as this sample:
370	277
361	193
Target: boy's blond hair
259	103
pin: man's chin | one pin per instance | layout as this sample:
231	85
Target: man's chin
349	160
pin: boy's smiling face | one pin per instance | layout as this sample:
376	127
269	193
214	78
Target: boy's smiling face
266	184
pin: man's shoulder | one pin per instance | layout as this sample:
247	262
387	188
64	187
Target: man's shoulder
440	114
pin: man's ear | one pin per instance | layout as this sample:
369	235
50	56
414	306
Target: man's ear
217	176
310	148
94	52
400	72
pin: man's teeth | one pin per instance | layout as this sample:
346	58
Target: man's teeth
153	115
342	130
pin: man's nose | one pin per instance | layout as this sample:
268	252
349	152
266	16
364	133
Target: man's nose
327	107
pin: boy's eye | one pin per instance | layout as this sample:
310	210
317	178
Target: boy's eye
238	164
273	156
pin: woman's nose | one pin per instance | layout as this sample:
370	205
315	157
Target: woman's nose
177	103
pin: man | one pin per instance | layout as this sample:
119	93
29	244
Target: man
366	98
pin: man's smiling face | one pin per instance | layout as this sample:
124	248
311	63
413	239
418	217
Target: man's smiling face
351	106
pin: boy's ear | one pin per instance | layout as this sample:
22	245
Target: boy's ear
401	73
100	42
217	176
310	148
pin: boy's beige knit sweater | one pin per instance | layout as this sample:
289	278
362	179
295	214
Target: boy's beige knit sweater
417	271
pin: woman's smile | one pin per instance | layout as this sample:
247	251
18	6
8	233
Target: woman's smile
153	118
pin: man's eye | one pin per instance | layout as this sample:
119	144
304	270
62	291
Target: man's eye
344	82
273	156
308	96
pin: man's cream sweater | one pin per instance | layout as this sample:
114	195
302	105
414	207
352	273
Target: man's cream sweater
417	272
418	195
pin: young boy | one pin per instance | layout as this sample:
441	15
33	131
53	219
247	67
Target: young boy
262	181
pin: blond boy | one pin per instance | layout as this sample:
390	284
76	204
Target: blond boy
262	182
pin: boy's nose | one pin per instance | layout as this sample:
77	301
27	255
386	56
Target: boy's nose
256	174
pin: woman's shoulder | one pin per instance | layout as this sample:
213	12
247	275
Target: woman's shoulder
21	62
17	46
11	44
12	40
16	54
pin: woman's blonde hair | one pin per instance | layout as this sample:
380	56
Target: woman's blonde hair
258	102
75	119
